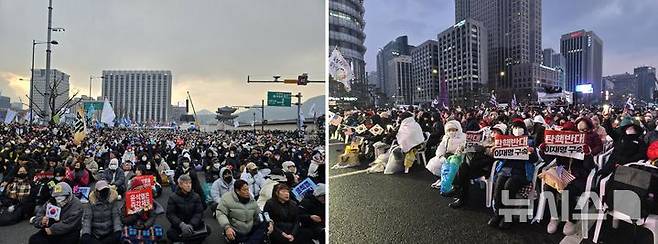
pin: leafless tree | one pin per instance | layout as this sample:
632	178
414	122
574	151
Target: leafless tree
53	109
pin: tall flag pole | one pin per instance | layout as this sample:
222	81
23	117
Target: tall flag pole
493	101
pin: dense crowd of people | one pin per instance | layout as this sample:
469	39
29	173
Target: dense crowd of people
391	139
230	172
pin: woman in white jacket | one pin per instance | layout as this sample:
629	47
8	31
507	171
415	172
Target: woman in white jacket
453	142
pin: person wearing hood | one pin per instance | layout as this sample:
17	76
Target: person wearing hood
475	165
184	168
77	174
289	169
452	143
66	229
599	129
221	186
285	215
512	175
185	213
630	147
409	137
254	178
238	216
538	129
115	176
276	176
100	218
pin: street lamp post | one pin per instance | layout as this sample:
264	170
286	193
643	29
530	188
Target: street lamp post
34	43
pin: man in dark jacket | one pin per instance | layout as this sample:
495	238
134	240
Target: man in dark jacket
312	214
100	221
630	147
66	229
185	213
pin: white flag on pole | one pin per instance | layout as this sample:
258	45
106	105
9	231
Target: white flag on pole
340	69
107	116
10	116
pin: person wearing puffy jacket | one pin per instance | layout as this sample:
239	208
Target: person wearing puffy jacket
628	148
100	219
453	141
66	229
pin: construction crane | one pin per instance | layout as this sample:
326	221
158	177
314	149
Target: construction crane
196	118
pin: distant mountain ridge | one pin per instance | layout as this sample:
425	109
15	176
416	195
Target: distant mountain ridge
271	113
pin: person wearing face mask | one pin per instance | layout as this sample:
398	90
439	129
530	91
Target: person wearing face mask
162	166
92	166
115	176
16	199
221	186
512	175
598	128
475	165
77	174
254	178
129	155
185	213
66	229
630	147
452	142
238	216
101	217
579	169
184	168
143	220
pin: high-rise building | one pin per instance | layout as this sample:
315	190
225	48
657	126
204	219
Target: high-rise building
57	87
646	76
624	85
396	48
399	71
5	103
139	95
425	72
346	32
555	60
462	57
514	38
584	64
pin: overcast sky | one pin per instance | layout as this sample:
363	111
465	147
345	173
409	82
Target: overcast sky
209	45
629	28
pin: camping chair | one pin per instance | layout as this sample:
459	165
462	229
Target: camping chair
650	222
420	154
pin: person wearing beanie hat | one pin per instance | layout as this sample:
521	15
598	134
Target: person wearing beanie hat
101	217
511	176
254	178
185	213
66	229
628	147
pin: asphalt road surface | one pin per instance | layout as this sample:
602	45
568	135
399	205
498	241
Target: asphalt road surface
21	232
378	208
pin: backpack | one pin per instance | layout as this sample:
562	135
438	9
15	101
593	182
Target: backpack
640	179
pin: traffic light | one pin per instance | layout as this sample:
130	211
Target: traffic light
302	80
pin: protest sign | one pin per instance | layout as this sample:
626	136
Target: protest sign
473	140
82	193
564	144
361	128
148	180
138	200
511	147
303	187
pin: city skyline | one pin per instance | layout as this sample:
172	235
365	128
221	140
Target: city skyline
422	20
209	54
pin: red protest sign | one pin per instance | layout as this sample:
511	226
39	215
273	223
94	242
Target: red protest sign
139	200
564	144
473	139
148	180
511	147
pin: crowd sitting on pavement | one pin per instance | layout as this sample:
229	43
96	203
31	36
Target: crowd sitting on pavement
78	192
391	139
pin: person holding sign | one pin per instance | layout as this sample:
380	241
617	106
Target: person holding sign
60	223
100	220
512	174
143	220
573	170
185	213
